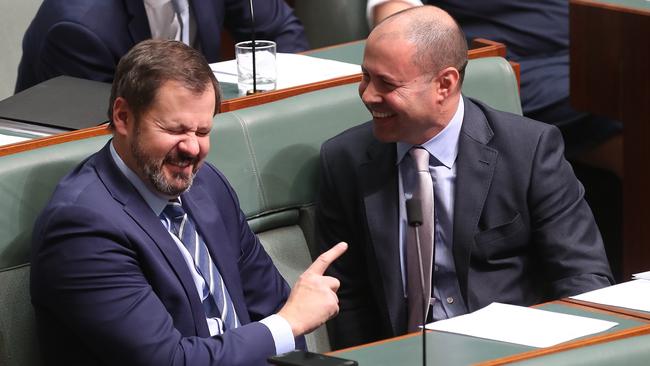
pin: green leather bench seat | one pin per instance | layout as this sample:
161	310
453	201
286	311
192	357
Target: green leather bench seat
269	154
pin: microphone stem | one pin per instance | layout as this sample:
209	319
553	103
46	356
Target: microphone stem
253	47
425	301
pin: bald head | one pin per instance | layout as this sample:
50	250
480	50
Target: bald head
437	40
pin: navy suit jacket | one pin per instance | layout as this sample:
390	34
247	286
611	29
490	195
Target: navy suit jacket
87	38
523	233
109	285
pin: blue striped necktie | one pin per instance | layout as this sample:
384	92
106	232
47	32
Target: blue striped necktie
215	297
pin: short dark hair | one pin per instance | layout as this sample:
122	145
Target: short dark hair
149	64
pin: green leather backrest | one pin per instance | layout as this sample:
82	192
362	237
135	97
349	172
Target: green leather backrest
492	80
27	180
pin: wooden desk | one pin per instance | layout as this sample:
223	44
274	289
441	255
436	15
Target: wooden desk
348	52
610	75
454	349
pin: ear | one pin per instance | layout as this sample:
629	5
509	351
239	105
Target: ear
448	81
122	116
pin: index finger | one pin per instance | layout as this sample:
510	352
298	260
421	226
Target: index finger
324	260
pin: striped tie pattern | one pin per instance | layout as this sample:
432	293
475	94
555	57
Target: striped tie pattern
215	297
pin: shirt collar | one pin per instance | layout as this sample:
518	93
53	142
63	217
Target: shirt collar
444	145
156	201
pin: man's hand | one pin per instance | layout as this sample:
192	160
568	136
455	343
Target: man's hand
313	298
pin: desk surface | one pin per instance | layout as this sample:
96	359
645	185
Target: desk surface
638	5
454	349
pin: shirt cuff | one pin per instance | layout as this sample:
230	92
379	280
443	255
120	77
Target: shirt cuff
281	332
370	7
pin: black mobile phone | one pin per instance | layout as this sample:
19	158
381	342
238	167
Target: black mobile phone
305	358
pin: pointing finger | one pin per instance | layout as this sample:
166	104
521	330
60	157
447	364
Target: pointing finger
324	260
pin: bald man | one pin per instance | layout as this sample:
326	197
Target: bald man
510	222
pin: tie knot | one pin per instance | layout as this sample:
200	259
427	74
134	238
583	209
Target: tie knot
174	210
421	158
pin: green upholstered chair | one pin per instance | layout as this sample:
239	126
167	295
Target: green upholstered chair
492	80
27	180
270	155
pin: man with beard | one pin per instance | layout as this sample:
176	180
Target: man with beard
143	256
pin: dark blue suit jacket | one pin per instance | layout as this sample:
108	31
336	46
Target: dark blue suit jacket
87	38
522	233
109	285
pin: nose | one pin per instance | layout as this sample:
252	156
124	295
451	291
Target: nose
190	145
368	93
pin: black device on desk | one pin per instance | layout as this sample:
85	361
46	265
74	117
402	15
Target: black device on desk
63	102
305	358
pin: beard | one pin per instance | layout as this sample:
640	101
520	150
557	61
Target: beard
153	169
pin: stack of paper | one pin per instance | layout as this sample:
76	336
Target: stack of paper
292	70
641	276
522	325
632	295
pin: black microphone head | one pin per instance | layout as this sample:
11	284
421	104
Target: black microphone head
414	212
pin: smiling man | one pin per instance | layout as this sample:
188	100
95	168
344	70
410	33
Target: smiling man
143	256
501	204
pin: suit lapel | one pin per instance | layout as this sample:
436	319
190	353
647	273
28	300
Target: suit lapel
134	206
380	196
138	22
475	168
212	229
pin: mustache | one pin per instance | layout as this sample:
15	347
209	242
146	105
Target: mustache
181	159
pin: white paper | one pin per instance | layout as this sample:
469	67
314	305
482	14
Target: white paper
9	139
641	276
293	70
632	295
522	325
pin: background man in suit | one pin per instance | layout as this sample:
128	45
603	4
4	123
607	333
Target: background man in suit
511	224
86	38
120	276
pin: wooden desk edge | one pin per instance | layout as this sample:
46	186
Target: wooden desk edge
487	49
608	308
608	337
590	340
607	6
54	139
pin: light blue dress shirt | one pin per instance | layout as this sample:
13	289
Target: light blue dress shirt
443	149
277	325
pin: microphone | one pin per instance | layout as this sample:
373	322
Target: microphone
414	218
253	46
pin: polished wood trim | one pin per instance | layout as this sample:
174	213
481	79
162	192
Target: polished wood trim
271	96
610	309
482	47
54	139
609	6
607	337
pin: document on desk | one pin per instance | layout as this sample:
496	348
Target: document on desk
641	276
633	295
292	70
522	325
10	139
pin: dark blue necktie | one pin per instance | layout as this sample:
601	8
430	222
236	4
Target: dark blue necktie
215	298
